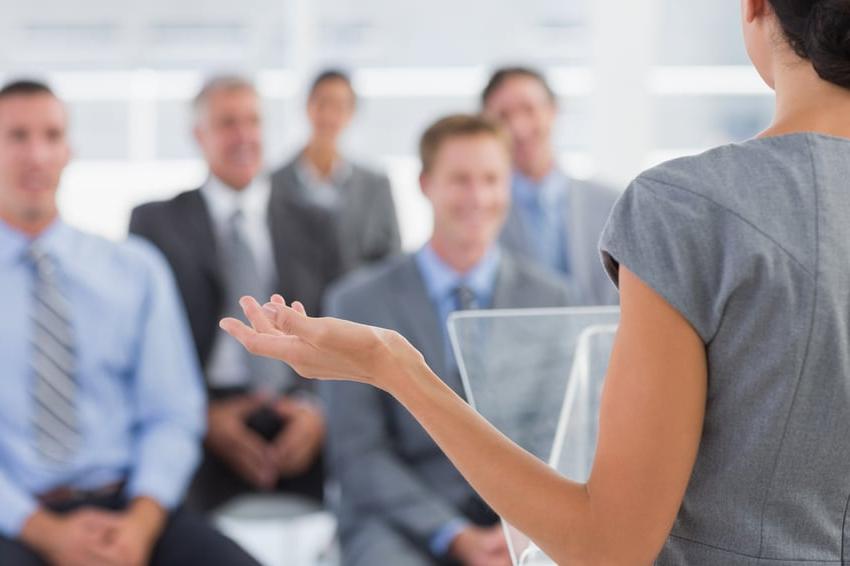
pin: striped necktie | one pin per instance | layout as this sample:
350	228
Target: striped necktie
54	416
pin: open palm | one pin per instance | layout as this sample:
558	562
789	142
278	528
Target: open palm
320	348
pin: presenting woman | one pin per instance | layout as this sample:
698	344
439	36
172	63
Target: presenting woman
725	422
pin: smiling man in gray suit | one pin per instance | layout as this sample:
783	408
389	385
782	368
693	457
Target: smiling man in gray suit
402	501
555	219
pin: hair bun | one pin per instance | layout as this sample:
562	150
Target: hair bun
826	41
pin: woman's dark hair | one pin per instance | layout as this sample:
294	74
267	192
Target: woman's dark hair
331	75
819	30
502	75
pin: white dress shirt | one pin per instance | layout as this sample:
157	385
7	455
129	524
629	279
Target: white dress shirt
226	367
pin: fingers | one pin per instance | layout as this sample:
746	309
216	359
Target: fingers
495	540
272	346
292	320
293	452
284	446
107	554
306	442
96	520
286	407
257	317
240	406
230	438
299	307
275	316
237	329
252	459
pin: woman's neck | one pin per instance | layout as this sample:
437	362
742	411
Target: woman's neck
322	157
807	103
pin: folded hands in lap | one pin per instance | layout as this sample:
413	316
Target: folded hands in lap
481	546
96	537
259	462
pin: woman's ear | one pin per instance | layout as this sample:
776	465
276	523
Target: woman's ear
753	9
423	183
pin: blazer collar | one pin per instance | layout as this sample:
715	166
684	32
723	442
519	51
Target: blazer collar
421	321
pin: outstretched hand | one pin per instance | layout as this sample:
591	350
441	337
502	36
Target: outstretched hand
322	348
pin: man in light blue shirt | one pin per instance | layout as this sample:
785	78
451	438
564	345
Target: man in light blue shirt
101	411
555	220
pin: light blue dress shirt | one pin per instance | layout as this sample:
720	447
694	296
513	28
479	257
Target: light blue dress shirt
440	282
139	401
542	206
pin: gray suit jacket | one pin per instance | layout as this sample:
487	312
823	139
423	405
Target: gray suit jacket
588	207
366	224
387	465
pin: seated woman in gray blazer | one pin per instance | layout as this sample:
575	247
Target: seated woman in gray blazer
360	199
725	420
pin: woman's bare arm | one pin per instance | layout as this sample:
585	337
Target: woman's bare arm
650	424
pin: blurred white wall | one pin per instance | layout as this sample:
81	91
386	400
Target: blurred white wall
639	81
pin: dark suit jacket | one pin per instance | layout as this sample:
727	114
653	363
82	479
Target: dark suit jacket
366	224
307	260
388	467
303	243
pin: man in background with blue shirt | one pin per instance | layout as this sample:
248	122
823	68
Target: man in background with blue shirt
402	501
101	410
555	220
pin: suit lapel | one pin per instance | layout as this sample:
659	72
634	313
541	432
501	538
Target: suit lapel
279	225
576	230
355	203
420	321
514	235
196	224
290	183
505	292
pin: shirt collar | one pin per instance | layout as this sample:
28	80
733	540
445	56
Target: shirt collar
309	177
546	192
441	280
224	200
56	240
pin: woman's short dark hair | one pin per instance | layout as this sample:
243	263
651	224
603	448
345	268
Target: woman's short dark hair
331	75
819	30
502	75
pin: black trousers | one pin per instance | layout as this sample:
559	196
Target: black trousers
187	540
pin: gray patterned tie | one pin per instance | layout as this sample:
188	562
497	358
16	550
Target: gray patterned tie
243	278
54	365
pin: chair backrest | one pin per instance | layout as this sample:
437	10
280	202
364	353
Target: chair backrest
537	376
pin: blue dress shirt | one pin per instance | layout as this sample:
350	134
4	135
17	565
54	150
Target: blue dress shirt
440	282
139	401
542	207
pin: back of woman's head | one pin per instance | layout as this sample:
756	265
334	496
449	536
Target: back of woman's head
819	30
